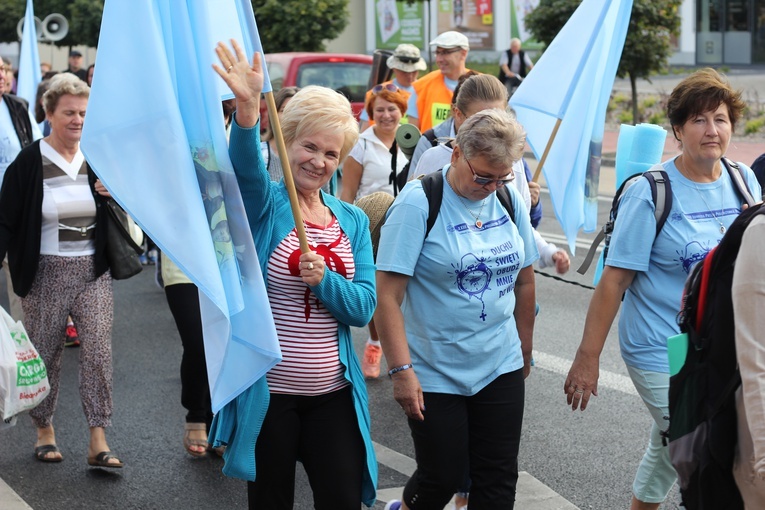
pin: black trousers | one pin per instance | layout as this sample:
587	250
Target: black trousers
323	433
183	299
479	435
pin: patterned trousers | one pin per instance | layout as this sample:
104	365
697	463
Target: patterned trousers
66	286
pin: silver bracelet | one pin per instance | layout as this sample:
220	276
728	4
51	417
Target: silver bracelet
399	369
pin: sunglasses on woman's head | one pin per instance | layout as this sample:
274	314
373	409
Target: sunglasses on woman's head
485	181
387	86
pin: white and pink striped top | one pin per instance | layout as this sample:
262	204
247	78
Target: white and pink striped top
307	330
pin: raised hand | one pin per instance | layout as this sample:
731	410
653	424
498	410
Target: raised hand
244	80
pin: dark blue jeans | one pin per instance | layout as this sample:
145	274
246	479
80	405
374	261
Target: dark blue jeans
479	435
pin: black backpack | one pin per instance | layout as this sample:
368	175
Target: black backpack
661	194
702	408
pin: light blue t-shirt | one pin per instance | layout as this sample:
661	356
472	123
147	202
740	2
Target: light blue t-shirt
411	110
649	311
459	302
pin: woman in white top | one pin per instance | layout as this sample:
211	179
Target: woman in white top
368	169
53	228
369	165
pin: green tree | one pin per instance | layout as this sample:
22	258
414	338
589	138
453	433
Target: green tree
85	21
646	48
299	25
84	17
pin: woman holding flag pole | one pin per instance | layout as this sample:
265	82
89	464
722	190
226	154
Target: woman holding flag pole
316	254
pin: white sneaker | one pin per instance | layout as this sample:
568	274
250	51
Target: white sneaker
393	504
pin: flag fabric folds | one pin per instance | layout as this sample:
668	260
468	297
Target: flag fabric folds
154	135
572	82
29	60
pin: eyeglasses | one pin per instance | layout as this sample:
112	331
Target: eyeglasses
384	86
441	53
485	181
407	60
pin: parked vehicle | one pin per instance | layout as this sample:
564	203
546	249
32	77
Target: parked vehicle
344	72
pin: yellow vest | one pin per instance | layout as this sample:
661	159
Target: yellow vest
434	100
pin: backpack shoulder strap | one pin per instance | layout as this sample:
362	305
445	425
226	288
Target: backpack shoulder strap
504	198
661	194
430	136
737	176
433	186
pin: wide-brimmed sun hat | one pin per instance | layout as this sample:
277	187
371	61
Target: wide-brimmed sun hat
406	57
375	206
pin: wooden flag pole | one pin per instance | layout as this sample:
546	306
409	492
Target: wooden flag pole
546	152
289	182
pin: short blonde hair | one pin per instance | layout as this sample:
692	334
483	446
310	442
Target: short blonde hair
493	134
61	85
317	109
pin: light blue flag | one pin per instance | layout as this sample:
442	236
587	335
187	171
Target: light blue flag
572	82
158	143
29	60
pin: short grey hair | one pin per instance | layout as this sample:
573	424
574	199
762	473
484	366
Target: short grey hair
493	134
61	85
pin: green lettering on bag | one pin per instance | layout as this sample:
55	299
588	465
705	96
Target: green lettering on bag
30	372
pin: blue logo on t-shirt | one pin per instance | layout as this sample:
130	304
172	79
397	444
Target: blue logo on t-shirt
693	253
472	278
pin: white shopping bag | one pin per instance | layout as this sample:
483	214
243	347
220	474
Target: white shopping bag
23	377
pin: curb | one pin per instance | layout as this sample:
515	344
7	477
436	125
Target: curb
9	500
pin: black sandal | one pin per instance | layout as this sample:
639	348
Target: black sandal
42	451
102	460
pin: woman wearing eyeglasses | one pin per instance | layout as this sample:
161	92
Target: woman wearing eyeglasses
456	318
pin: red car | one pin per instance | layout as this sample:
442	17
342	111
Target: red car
344	72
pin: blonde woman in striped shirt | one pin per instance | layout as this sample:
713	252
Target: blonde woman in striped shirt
313	405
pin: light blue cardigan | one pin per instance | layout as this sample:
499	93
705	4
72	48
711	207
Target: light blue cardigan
352	303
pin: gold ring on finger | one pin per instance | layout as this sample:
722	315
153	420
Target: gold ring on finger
229	68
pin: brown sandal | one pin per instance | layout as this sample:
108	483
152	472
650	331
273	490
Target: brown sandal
188	442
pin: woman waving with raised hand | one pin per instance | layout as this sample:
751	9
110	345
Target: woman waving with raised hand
312	406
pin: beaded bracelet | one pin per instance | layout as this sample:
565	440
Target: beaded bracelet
399	369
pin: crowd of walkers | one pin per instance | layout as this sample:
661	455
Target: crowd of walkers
459	236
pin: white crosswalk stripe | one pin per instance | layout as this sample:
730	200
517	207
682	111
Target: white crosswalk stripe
606	379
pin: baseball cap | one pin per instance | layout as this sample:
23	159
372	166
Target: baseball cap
75	53
406	57
451	39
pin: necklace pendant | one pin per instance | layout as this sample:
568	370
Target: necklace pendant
722	229
478	224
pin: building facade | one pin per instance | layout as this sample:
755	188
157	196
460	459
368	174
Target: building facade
713	32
